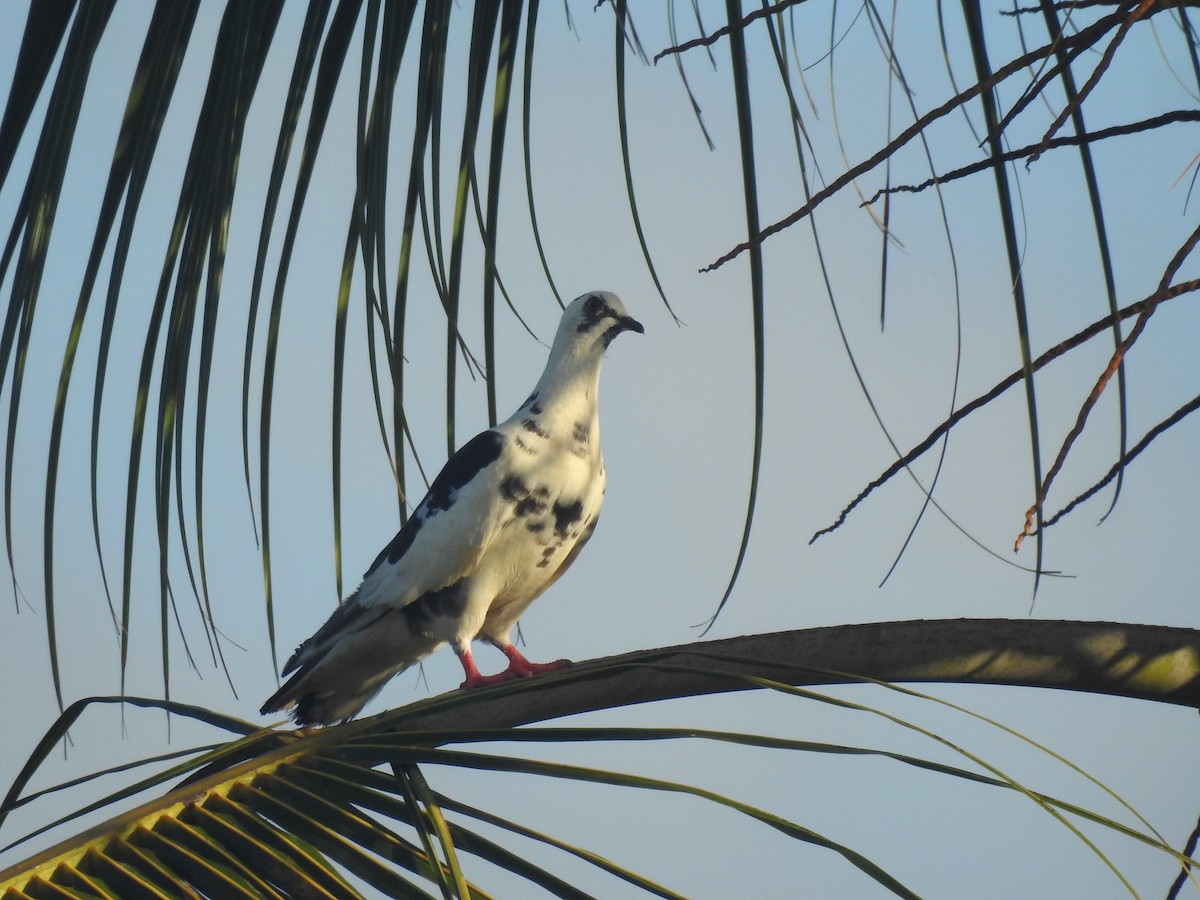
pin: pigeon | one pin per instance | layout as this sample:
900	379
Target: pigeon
502	521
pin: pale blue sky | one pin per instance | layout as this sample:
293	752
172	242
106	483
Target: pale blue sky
677	415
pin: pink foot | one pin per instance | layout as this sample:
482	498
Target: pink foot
518	667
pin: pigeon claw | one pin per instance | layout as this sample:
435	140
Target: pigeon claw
477	680
525	668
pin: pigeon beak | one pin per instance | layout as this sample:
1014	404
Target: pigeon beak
629	323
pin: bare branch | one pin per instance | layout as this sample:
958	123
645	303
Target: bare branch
1097	73
1085	36
710	39
1183	412
1073	140
1098	327
1102	382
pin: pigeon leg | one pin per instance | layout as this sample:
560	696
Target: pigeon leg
474	679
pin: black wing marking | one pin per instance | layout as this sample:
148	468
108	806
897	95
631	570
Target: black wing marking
468	461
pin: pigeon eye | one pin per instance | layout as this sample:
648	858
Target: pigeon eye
593	304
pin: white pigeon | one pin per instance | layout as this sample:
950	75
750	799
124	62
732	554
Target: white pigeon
502	521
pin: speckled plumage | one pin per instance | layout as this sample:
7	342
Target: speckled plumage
502	521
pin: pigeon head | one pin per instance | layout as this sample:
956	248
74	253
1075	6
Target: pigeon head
594	319
588	326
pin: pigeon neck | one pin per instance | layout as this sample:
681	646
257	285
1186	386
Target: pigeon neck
569	384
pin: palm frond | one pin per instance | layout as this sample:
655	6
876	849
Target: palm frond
288	814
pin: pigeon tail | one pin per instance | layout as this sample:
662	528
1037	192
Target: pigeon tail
335	681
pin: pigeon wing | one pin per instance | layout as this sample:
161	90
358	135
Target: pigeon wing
441	543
